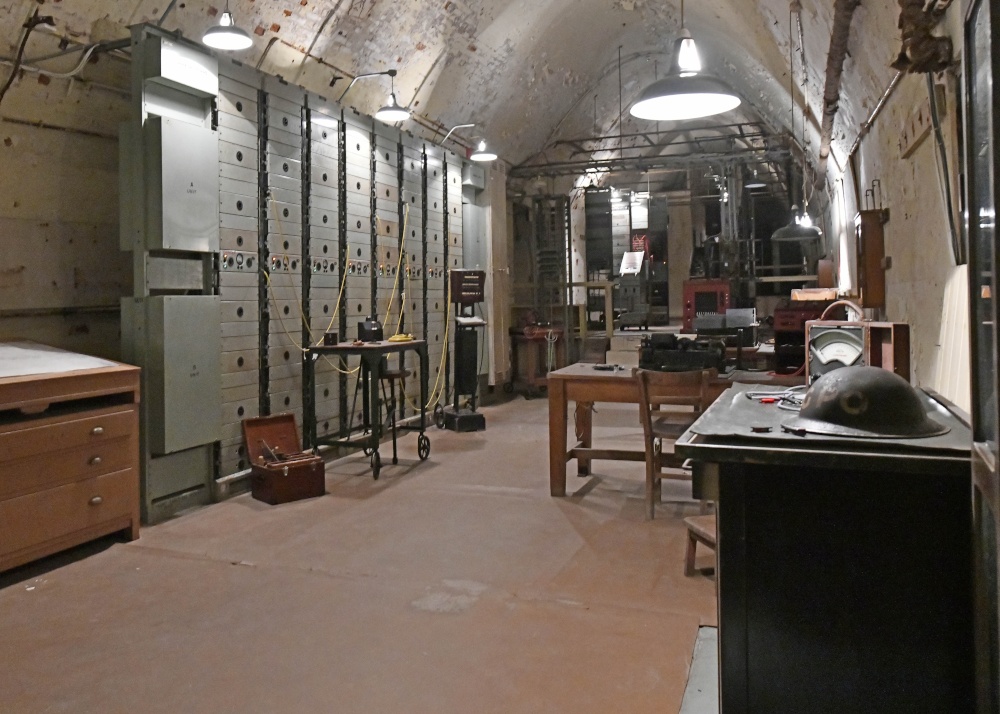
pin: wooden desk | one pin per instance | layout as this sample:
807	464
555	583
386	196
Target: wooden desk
70	454
585	385
528	348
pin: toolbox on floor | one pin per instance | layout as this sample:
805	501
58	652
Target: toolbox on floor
280	470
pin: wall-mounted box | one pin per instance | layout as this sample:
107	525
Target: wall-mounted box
180	354
474	176
870	236
182	186
179	66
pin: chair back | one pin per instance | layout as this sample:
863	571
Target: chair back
674	389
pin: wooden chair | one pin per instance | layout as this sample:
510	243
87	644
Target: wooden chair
701	529
676	389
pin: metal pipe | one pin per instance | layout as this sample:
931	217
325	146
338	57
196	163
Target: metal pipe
388	72
843	11
60	311
450	131
170	8
867	125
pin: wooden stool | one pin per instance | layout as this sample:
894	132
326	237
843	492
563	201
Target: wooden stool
701	529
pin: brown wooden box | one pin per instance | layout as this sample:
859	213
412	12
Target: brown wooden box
301	476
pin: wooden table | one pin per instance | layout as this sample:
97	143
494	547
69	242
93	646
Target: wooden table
585	384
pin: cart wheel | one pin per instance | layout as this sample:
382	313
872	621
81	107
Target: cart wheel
508	387
376	465
439	416
423	447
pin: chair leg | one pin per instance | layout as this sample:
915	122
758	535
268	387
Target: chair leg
650	492
692	547
392	398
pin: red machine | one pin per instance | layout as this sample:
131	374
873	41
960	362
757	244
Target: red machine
704	297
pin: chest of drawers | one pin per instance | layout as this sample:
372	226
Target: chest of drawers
69	460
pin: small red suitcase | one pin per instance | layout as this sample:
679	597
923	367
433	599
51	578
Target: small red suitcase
280	471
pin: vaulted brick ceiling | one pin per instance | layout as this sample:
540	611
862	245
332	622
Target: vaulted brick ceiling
527	72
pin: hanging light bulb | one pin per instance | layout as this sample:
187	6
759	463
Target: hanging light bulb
482	152
754	182
226	35
685	93
392	113
686	52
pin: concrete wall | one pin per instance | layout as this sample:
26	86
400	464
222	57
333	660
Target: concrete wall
680	245
924	286
62	273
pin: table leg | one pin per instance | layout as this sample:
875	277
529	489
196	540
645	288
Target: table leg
557	437
375	396
424	376
584	420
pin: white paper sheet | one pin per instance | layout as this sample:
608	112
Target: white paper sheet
18	359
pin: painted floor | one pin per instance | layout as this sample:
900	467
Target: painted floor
452	585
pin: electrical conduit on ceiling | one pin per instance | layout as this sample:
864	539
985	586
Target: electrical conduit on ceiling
843	12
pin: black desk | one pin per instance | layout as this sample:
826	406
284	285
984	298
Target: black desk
845	565
371	354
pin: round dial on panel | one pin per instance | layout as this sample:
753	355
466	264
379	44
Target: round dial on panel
836	346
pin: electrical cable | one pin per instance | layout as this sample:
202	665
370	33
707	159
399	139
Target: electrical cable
399	263
34	21
298	300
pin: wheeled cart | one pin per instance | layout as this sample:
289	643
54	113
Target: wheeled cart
372	355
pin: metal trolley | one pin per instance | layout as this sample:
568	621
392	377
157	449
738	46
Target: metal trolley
371	354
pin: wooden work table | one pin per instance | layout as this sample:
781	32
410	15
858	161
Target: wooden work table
587	384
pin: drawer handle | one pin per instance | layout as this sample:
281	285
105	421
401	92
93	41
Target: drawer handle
96	501
97	431
95	461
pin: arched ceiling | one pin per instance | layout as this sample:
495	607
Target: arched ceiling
529	73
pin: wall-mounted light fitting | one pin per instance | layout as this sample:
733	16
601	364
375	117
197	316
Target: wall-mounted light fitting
481	152
226	35
391	113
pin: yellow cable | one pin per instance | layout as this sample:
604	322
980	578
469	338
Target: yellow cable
434	395
399	262
298	299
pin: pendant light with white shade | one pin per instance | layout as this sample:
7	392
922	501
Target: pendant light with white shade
686	92
392	113
801	228
226	35
482	152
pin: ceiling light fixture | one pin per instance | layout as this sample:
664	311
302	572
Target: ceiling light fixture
226	35
801	227
754	182
391	113
685	93
482	152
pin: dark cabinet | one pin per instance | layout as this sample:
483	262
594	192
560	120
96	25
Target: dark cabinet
981	98
844	563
